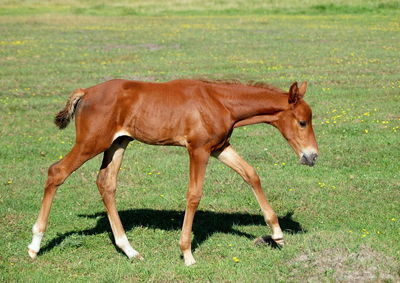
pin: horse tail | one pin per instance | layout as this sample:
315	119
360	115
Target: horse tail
63	117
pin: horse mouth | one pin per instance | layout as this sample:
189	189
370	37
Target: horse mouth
308	159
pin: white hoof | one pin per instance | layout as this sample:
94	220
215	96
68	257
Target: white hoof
189	260
32	254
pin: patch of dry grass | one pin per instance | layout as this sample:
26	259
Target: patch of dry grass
341	265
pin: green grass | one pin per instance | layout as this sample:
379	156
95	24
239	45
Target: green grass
341	218
197	7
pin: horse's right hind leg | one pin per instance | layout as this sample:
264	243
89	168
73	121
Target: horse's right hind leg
57	174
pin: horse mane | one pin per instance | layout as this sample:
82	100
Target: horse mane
256	84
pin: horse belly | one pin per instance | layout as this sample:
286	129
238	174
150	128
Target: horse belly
162	128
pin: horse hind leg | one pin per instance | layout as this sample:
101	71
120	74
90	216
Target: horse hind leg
57	174
107	185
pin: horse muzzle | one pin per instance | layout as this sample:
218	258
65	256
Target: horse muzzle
308	158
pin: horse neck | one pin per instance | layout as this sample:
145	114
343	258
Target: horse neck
247	102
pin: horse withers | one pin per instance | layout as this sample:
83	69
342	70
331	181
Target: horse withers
197	114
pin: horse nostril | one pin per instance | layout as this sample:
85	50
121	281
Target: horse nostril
309	159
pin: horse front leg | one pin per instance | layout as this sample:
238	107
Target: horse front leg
233	160
198	164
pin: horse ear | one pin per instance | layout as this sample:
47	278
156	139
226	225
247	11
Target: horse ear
303	89
293	93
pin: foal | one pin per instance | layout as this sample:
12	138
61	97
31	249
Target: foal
199	115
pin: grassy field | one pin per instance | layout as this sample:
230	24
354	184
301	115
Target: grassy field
197	7
341	218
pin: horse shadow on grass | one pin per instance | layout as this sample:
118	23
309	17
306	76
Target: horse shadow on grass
205	225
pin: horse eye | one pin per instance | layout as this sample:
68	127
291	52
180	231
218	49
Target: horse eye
302	124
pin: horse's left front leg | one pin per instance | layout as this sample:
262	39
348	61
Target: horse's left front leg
198	164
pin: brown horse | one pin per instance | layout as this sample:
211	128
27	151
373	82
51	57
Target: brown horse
197	114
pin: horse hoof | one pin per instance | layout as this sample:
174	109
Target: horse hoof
32	254
189	260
